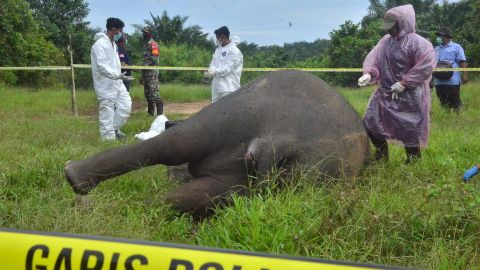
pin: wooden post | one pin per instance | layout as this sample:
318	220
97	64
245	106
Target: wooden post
74	98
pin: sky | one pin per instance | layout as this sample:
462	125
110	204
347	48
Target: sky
265	22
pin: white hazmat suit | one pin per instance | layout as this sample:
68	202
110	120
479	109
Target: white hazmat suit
114	101
226	66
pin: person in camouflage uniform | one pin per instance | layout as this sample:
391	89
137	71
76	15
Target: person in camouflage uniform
150	77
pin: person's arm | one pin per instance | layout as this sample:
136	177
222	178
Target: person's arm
462	60
102	63
463	64
212	62
424	63
233	60
370	64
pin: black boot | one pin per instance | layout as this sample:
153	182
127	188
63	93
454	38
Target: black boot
381	147
151	108
381	151
413	154
159	107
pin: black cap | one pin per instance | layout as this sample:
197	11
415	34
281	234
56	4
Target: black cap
444	31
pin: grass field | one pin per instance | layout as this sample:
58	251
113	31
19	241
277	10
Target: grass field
420	215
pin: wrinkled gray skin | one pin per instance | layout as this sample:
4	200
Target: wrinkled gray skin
280	120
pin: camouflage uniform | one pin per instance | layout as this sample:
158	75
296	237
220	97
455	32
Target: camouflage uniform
150	77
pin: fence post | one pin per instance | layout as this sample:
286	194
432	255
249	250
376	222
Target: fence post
74	97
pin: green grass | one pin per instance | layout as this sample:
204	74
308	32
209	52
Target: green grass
420	215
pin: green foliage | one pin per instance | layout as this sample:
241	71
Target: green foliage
172	31
176	56
23	44
47	22
352	42
349	45
61	19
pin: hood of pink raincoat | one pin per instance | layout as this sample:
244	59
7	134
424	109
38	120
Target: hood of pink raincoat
405	16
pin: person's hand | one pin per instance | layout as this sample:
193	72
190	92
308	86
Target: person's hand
470	173
397	88
364	80
464	79
123	76
209	73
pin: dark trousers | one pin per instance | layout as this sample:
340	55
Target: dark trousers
449	96
127	85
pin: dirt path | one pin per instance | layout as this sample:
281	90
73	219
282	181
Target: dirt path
170	108
185	108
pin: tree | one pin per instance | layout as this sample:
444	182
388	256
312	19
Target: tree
349	45
171	30
23	44
377	8
59	19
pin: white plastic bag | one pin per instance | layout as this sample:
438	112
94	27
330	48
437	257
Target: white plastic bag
157	127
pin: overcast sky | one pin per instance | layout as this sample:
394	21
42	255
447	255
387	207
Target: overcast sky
264	22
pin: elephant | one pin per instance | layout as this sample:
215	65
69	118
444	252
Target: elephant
281	120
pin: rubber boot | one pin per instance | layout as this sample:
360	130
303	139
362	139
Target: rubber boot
151	108
381	152
381	147
159	105
413	154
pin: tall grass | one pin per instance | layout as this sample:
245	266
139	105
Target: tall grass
420	215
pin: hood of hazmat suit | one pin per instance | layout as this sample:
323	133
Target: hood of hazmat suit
236	40
409	59
106	67
227	62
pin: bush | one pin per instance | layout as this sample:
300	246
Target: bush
23	44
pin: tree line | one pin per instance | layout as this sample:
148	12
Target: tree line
37	32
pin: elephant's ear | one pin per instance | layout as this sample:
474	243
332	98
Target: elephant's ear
266	153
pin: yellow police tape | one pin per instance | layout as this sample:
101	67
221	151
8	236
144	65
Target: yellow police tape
205	68
43	251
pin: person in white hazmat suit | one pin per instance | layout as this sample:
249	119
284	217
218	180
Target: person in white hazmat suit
114	101
226	66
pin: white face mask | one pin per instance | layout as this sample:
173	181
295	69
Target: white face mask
218	42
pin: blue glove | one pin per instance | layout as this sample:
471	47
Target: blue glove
470	173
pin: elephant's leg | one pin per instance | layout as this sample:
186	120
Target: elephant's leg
200	195
265	154
176	146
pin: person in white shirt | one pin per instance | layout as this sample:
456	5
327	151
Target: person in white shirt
114	101
226	66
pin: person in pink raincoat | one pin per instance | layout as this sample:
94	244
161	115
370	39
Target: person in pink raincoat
401	63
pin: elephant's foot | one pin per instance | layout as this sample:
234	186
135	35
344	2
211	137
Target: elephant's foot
199	196
80	184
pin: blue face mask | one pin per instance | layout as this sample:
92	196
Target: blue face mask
117	36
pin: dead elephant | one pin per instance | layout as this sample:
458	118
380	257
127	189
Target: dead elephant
280	120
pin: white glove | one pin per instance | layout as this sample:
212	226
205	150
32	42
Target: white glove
364	80
124	77
209	73
397	88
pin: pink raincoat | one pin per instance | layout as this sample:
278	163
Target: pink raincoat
408	58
